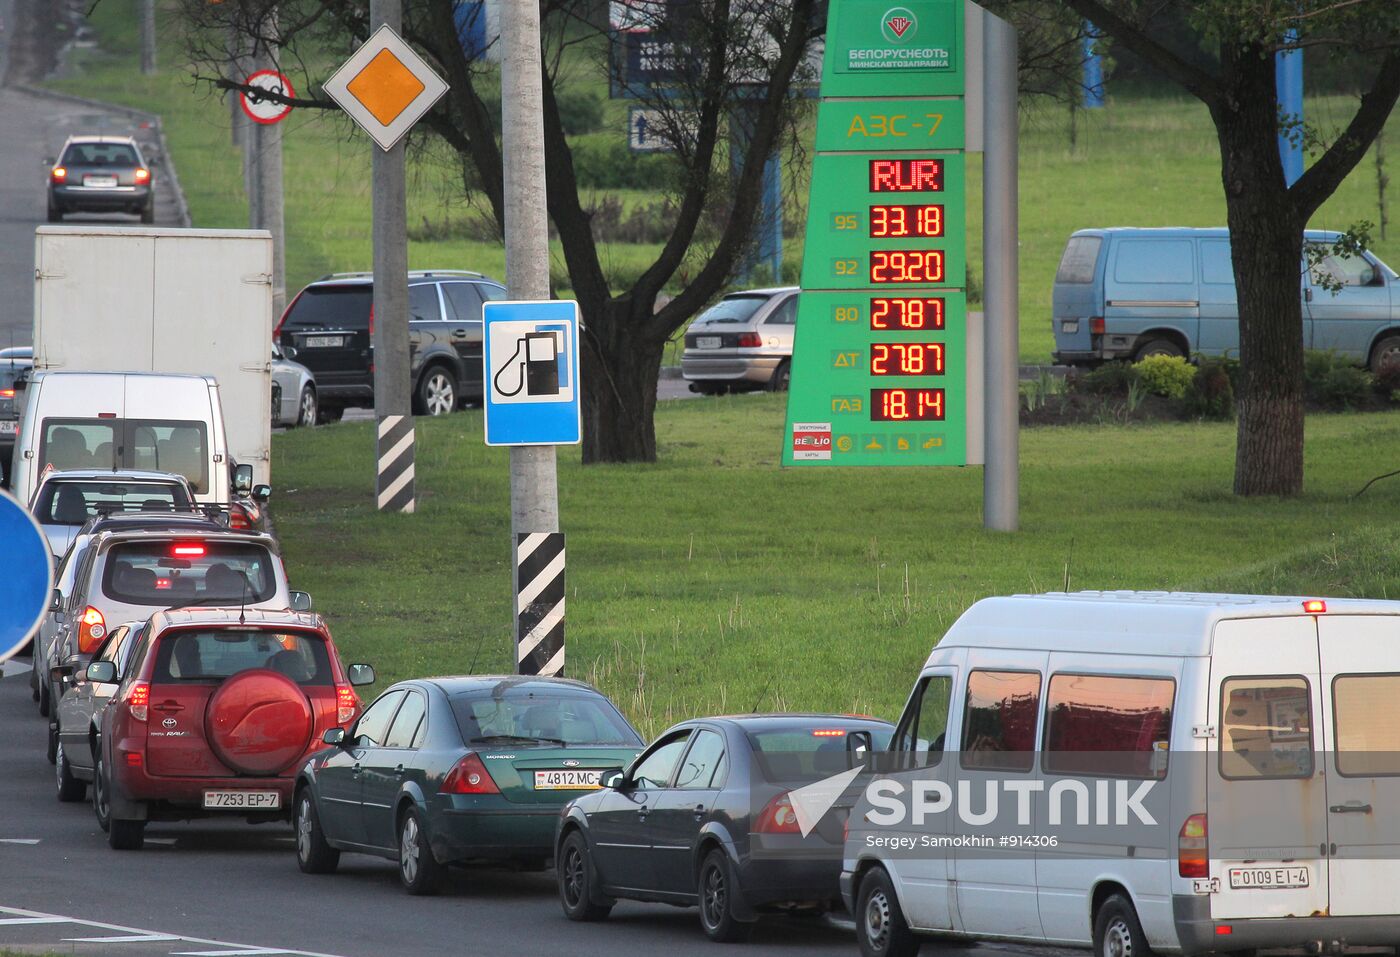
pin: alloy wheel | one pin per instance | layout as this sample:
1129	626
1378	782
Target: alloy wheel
308	408
715	900
59	765
409	850
304	828
440	393
573	876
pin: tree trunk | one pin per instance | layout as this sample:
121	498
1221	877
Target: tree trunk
1266	246
619	385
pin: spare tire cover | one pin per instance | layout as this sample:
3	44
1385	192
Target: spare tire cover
258	722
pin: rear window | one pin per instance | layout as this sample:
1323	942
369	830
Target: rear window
157	445
1078	262
73	503
815	750
189	572
331	307
216	654
99	154
548	718
733	309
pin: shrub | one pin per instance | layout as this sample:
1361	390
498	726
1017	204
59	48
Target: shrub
1165	375
1211	394
1109	379
1388	383
1334	383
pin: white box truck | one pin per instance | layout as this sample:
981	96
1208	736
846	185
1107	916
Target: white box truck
195	301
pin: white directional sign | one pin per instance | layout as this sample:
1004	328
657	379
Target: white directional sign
261	109
385	87
530	356
643	131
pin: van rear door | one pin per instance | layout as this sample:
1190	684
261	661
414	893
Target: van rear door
1361	723
1266	799
1077	299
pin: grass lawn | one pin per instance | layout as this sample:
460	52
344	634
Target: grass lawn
714	581
1137	163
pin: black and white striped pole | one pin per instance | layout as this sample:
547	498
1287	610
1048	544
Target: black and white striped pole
539	604
394	446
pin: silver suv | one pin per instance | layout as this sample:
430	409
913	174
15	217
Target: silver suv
744	341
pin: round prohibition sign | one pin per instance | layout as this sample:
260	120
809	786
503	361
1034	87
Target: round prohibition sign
262	109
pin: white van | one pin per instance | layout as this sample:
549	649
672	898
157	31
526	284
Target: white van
123	420
1269	727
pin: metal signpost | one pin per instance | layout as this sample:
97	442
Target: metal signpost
26	576
264	151
386	88
887	369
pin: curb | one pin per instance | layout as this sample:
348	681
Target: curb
182	207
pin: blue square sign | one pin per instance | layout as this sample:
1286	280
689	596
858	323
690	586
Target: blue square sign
530	357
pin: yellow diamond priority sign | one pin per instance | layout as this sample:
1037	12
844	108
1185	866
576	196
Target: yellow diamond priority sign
385	87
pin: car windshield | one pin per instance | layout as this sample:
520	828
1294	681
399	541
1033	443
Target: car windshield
218	653
523	717
732	309
99	154
189	571
810	751
73	502
331	307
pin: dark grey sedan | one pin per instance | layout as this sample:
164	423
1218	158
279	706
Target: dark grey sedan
704	817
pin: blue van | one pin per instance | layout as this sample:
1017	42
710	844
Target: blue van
1127	293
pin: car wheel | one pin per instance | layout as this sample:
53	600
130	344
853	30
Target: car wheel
327	414
101	796
1117	932
437	392
306	409
880	924
148	213
314	855
1157	347
1386	355
782	377
577	881
45	700
34	682
716	896
69	788
419	871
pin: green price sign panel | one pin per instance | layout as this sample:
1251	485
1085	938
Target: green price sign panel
879	372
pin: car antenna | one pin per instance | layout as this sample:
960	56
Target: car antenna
759	699
243	602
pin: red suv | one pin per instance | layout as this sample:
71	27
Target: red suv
218	711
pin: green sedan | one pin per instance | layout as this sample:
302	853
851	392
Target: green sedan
442	771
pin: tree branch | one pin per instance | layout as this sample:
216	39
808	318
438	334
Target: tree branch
262	93
1200	84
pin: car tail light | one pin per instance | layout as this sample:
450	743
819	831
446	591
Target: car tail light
238	518
138	701
749	340
1096	326
828	733
143	176
188	551
777	817
1192	857
60	174
345	704
92	628
469	776
371	320
7	393
277	331
1315	606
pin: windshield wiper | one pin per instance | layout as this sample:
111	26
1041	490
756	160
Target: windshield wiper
517	738
209	600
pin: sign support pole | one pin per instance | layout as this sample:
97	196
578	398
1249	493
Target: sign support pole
394	486
534	496
1000	477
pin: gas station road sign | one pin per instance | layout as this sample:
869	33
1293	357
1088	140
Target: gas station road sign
26	576
386	87
531	371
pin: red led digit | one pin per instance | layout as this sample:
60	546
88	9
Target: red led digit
901	312
906	265
899	222
906	405
906	358
906	176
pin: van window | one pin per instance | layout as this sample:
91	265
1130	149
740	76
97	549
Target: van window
161	445
1080	258
217	654
1266	728
1154	261
1367	724
175	573
1333	270
1003	709
923	731
1216	266
1108	725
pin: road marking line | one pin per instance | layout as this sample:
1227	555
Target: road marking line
30	841
13	921
121	939
233	953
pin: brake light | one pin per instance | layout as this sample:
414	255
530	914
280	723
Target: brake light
749	340
60	174
777	817
1192	857
828	733
1315	606
1096	325
138	701
371	319
469	776
188	551
238	518
345	704
277	330
143	176
134	759
7	393
92	628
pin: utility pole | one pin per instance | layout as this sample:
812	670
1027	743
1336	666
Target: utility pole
534	495
394	486
262	157
148	37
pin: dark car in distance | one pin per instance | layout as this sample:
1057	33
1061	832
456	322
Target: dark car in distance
101	174
442	771
704	818
330	325
15	363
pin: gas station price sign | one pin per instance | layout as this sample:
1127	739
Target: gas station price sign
879	372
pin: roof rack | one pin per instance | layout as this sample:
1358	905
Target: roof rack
412	274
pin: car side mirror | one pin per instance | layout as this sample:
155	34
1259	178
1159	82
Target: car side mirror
243	478
289	352
56	601
102	672
60	673
261	493
300	601
614	779
859	745
360	674
334	737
